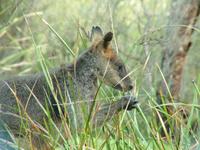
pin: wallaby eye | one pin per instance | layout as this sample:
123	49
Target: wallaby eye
120	67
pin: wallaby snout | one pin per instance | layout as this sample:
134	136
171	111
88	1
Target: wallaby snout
127	88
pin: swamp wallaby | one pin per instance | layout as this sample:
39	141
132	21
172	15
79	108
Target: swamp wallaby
68	92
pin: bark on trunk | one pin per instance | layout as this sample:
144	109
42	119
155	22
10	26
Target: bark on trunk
183	16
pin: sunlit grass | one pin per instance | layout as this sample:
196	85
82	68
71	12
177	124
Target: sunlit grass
138	129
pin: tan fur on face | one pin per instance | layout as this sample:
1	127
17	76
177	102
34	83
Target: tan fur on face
109	53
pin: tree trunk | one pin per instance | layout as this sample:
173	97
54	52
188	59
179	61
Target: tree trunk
182	18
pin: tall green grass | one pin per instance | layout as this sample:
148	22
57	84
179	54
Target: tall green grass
138	129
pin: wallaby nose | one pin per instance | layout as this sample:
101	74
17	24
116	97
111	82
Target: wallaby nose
130	87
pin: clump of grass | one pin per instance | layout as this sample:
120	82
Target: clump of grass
138	129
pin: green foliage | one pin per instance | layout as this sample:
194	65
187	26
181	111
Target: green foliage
38	35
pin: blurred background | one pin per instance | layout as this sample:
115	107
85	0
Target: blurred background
148	34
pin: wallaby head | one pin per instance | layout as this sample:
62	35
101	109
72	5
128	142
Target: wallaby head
110	68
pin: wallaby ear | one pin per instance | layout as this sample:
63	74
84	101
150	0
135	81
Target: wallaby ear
96	34
107	38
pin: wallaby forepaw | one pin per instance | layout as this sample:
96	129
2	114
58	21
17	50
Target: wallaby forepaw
131	102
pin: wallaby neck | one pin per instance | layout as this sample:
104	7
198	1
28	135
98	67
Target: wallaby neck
85	74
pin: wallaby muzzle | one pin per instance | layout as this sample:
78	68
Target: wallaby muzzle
125	89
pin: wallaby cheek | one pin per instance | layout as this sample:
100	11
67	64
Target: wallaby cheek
113	78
